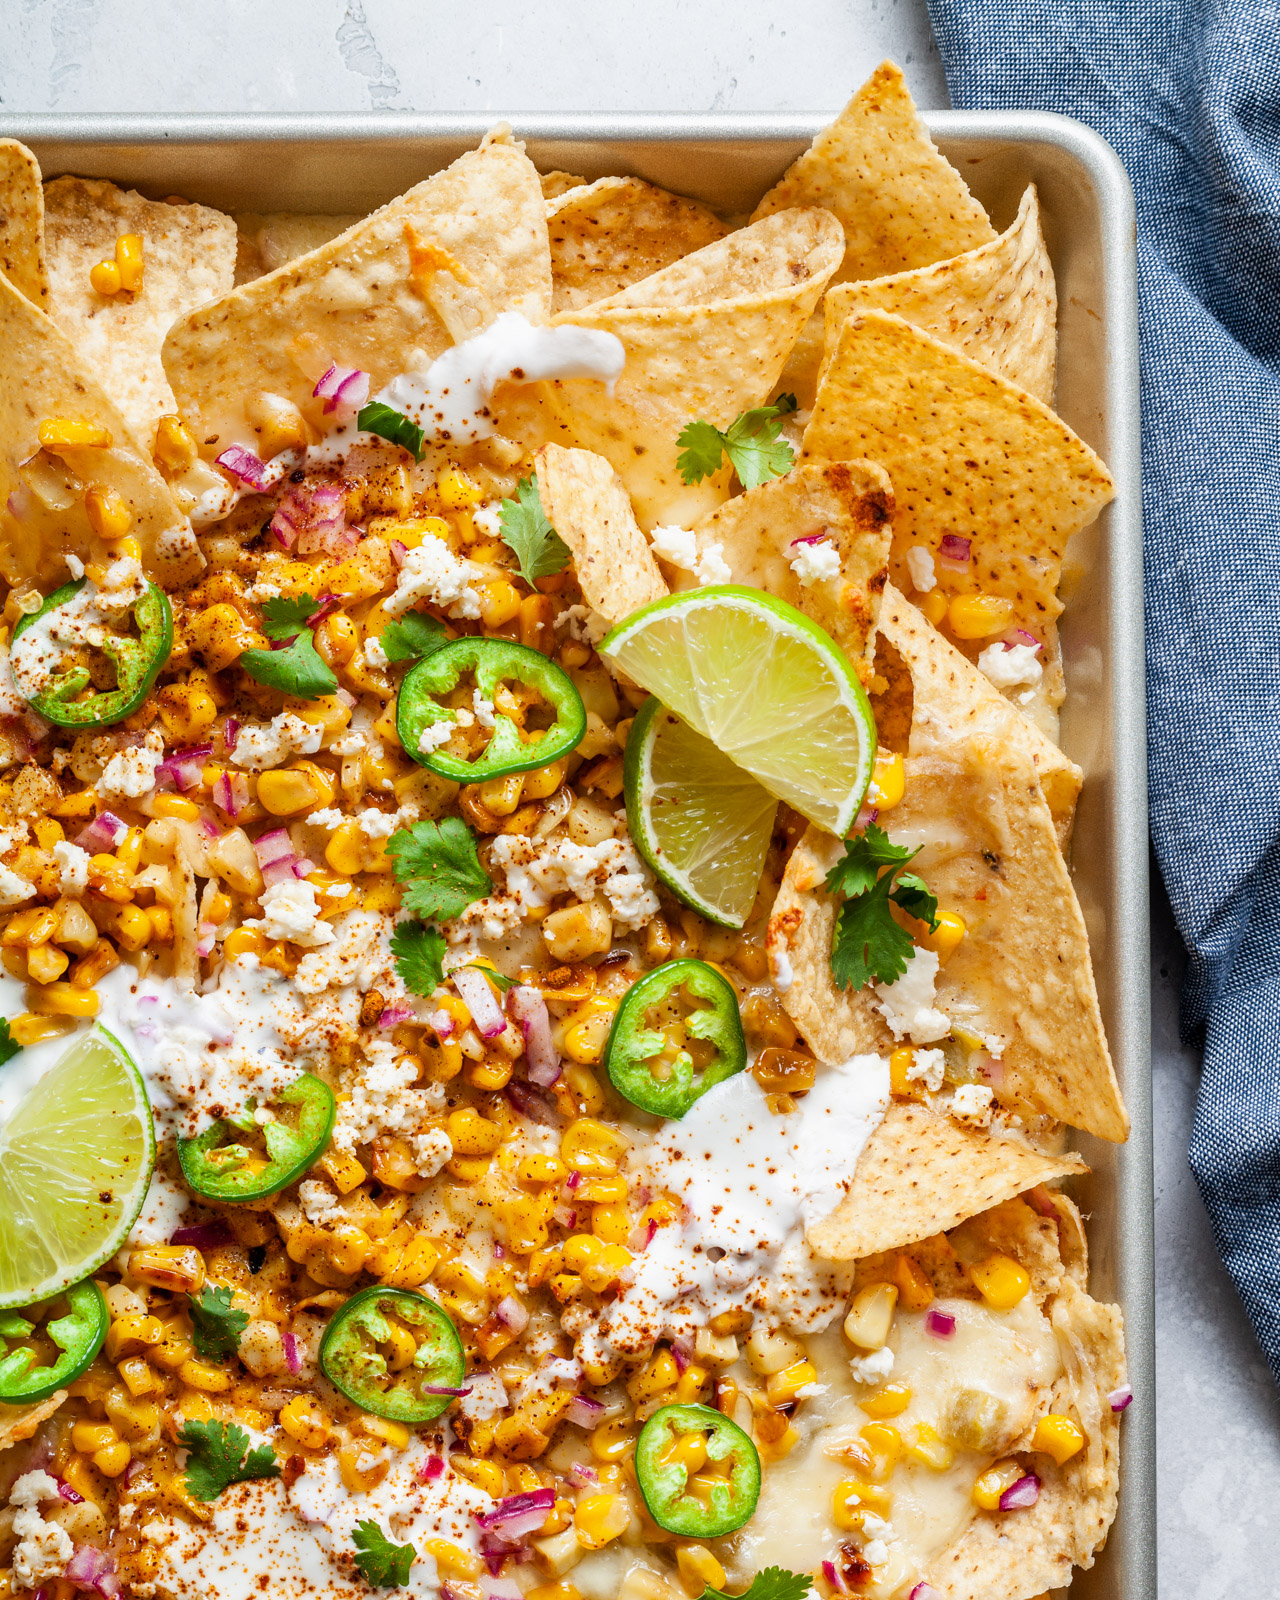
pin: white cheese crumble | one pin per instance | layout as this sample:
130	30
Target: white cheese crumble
291	911
927	1067
329	818
43	1548
132	773
874	1367
260	745
815	563
432	572
1011	665
14	889
679	547
384	1100
584	625
374	654
483	709
321	1207
435	735
920	565
73	867
537	870
972	1103
907	1003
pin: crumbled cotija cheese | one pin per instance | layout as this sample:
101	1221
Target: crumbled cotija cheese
907	1003
432	572
1009	665
132	773
537	870
43	1548
679	547
920	565
290	910
260	745
815	563
73	867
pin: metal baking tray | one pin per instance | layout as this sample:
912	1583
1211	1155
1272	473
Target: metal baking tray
353	163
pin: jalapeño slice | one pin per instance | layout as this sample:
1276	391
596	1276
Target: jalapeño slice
77	1334
697	1501
362	1355
662	1056
293	1142
420	709
136	663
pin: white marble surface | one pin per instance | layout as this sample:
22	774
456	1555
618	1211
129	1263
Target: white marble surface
1218	1410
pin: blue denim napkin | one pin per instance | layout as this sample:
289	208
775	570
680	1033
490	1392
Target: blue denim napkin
1188	93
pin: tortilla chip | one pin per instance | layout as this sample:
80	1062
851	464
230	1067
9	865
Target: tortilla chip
900	201
997	304
608	235
22	223
587	505
266	240
969	455
557	182
951	700
42	495
20	1422
850	502
922	1173
705	337
355	300
188	254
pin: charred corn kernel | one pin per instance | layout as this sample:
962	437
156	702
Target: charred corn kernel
469	1169
855	1496
66	1000
132	927
945	938
205	1376
176	1267
472	1134
657	1377
978	616
592	1148
244	942
112	1459
528	1220
175	446
888	780
108	512
220	635
347	849
691	1382
46	963
783	1386
187	712
75	807
899	1062
302	1419
129	260
915	1289
343	1171
889	1400
105	277
90	1436
1001	1282
934	606
66	433
991	1484
284	792
1058	1436
138	1377
30	927
173	1349
870	1317
452	1559
131	1333
600	1518
929	1448
457	490
612	1223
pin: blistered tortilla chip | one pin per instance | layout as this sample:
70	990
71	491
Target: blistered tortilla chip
849	503
22	223
42	514
266	240
952	700
20	1422
900	201
188	255
997	304
478	234
587	505
610	234
705	338
969	455
922	1173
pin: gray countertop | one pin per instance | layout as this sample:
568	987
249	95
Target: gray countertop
1218	1410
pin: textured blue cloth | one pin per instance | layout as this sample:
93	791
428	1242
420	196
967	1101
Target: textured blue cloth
1188	93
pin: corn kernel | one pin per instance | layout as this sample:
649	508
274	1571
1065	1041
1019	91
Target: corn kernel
889	1400
90	1436
591	1147
472	1134
945	939
112	1459
613	1440
129	260
853	1497
991	1484
870	1316
600	1518
176	1267
131	1333
978	616
302	1419
343	1171
205	1376
105	277
915	1289
929	1448
612	1223
138	1377
108	512
1001	1282
452	1559
347	849
457	490
542	1169
934	606
46	963
698	1568
1058	1436
65	1000
656	1378
888	781
175	448
66	433
783	1386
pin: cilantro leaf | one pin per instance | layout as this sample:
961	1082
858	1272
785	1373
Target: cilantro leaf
786	402
856	872
285	616
216	1328
220	1456
868	943
383	1565
916	898
774	1583
9	1046
413	637
526	531
439	868
391	425
752	443
298	668
419	952
500	978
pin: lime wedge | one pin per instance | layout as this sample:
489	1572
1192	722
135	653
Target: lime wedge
75	1161
701	823
767	686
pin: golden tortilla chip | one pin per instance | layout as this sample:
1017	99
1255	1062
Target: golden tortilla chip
477	236
587	505
610	234
997	304
557	182
188	255
969	455
850	503
22	223
266	240
42	376
900	201
922	1173
705	337
20	1422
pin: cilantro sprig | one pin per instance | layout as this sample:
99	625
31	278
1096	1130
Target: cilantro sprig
752	442
9	1046
868	942
419	952
526	530
439	869
412	637
215	1327
391	425
773	1583
382	1565
220	1456
298	668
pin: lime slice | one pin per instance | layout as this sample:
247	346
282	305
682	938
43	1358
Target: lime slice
701	823
765	685
75	1161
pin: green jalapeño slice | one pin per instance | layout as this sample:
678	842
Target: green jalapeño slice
365	1353
29	1369
698	1472
677	1033
136	662
283	1147
552	710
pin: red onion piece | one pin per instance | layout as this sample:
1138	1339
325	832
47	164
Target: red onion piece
204	1235
1021	1495
184	768
313	519
1120	1398
399	552
324	605
941	1324
69	1494
448	1592
642	1236
954	551
581	1474
347	698
441	1024
231	793
276	855
811	538
443	1388
511	1314
230	733
991	1070
205	940
925	1591
680	1355
91	1568
485	1011
431	1468
303	867
393	1016
572	1181
533	1103
343	389
518	1515
835	1577
866	816
1021	636
530	1010
292	1355
244	465
584	1412
104	833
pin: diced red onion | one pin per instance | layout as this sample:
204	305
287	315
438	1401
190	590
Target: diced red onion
326	604
835	1577
581	1474
1021	1495
91	1568
103	833
210	828
448	1592
810	538
511	1314
519	1515
205	939
485	1011
303	867
566	1216
1021	636
866	816
925	1591
244	465
991	1070
953	551
343	389
941	1324
572	1181
584	1412
399	552
276	855
533	1103
530	1010
347	698
1119	1398
231	793
204	1235
393	1016
443	1388
230	733
642	1235
680	1356
292	1355
441	1023
184	768
313	519
69	1494
431	1469
500	1588
1040	1202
